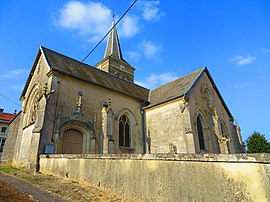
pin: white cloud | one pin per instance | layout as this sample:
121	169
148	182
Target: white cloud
91	19
129	26
150	10
265	50
14	73
150	49
156	80
241	60
134	56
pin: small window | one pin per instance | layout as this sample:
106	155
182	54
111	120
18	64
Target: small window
124	131
2	143
4	129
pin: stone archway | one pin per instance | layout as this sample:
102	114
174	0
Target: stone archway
72	142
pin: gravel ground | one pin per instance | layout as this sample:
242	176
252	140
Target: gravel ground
30	186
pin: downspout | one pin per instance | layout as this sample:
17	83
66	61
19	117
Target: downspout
144	104
55	111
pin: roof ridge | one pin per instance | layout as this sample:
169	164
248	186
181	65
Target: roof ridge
94	68
201	69
174	89
65	56
91	74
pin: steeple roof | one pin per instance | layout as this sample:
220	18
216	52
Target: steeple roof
113	48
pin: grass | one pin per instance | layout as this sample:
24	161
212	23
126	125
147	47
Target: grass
27	175
8	169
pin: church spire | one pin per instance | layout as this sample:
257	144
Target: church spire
113	48
113	61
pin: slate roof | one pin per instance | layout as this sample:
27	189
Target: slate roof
87	73
181	87
73	68
173	89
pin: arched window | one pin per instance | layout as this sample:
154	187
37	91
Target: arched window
200	133
124	131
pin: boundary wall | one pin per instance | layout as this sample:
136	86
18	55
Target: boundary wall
169	177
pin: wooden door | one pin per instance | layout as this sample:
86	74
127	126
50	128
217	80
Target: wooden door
72	142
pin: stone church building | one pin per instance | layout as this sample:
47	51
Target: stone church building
70	107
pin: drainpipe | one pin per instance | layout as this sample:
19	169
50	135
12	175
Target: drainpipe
55	112
144	104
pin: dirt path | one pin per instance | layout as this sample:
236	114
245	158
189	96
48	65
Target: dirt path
48	188
9	193
15	189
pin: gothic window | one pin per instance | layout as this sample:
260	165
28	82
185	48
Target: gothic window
200	133
124	131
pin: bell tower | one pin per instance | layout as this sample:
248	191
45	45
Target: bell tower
113	61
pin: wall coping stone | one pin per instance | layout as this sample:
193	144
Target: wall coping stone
229	158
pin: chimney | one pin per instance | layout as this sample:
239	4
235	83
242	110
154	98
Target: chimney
1	111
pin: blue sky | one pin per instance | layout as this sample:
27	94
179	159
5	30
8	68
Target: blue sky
162	39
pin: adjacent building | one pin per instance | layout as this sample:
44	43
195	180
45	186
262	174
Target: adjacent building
72	107
5	119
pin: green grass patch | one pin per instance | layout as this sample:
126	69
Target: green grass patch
8	169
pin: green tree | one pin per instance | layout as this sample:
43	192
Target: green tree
257	143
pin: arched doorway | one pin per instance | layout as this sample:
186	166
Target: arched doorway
72	142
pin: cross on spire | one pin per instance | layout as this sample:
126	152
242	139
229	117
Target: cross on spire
113	14
113	46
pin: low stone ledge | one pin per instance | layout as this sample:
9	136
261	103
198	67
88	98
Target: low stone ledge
253	158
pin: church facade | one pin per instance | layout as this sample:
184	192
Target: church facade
70	107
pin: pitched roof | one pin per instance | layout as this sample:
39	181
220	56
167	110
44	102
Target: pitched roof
87	73
113	46
182	87
73	68
6	117
173	89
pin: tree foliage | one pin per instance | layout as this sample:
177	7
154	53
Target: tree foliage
257	143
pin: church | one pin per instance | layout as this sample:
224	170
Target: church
69	107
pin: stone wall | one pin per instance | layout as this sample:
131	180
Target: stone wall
9	148
199	103
172	126
167	127
169	177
